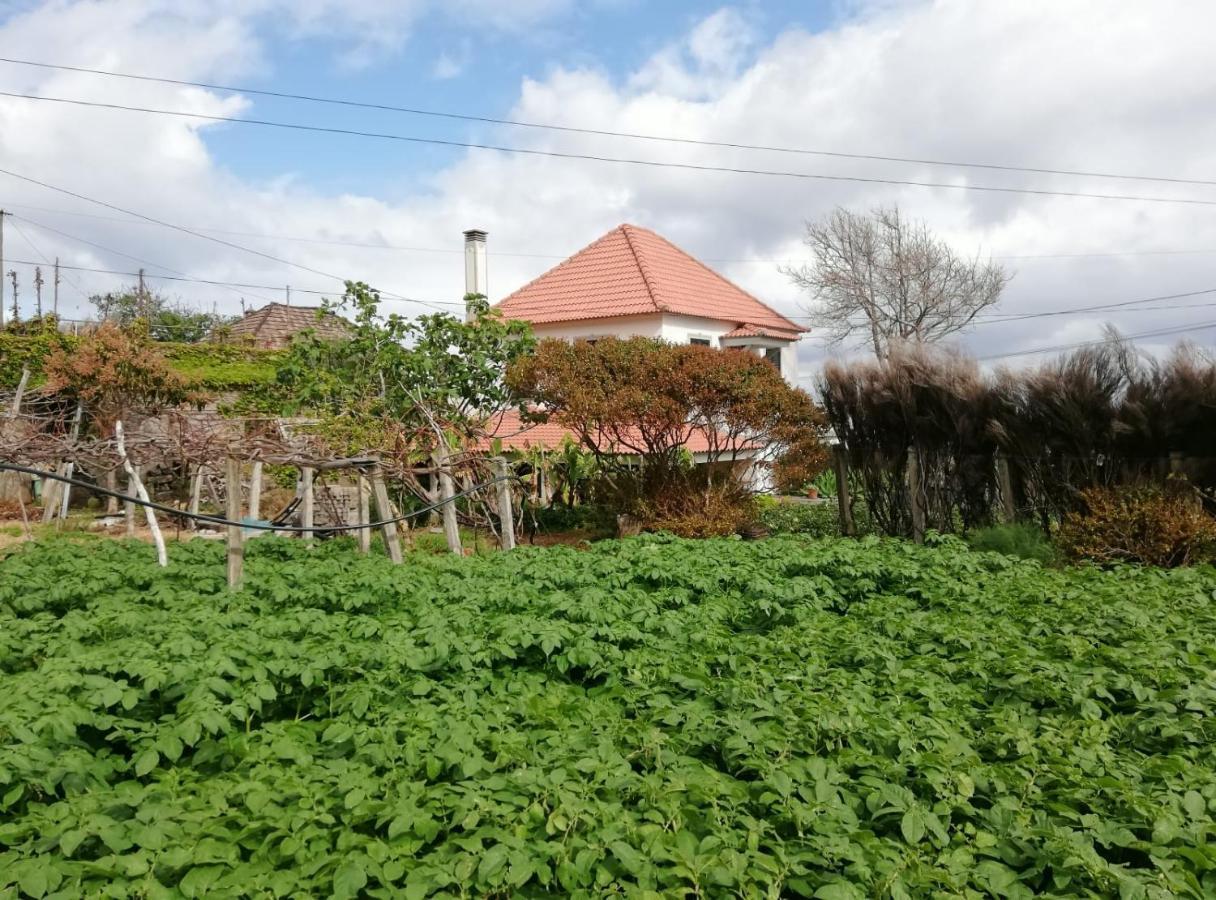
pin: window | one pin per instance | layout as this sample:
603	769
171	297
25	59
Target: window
699	341
773	355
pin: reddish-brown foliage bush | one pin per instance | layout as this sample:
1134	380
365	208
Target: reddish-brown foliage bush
1143	525
641	406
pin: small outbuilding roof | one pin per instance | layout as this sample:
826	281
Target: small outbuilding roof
633	271
274	325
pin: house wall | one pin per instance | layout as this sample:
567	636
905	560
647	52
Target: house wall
676	329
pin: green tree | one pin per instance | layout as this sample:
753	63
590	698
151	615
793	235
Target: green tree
167	320
402	385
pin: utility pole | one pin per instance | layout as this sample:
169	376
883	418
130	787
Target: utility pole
12	273
38	291
2	215
55	309
289	295
141	304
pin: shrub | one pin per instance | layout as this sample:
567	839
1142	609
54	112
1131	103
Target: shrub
785	517
591	517
715	510
1020	539
1142	525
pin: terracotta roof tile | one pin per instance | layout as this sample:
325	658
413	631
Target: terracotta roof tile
274	325
633	271
515	434
749	329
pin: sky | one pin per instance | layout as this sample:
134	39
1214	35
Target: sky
1123	87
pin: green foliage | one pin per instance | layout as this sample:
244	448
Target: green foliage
652	717
164	319
1018	539
19	351
398	381
590	517
786	517
223	367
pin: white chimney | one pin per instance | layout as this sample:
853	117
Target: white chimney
476	276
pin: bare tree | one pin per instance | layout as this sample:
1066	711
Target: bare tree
890	279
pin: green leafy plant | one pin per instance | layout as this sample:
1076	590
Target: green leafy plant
1019	539
649	717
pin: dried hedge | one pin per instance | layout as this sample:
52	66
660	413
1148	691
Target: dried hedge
1101	416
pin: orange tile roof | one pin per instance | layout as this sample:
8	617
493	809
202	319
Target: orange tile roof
515	434
274	325
633	271
749	330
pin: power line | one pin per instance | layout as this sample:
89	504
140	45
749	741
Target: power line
1059	348
197	234
507	253
589	157
600	132
1099	307
45	259
209	281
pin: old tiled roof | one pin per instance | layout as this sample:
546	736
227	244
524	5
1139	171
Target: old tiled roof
275	324
633	271
515	434
749	330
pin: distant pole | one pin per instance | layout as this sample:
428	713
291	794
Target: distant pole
2	215
12	274
141	304
38	282
55	308
289	295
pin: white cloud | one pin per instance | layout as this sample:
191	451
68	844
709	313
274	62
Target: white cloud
1041	84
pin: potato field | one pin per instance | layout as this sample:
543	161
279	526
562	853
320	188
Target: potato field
646	718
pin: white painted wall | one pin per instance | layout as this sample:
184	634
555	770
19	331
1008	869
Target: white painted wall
676	329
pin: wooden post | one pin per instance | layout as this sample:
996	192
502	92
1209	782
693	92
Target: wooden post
363	517
62	494
196	495
1004	483
236	534
65	493
15	409
384	511
255	490
307	505
162	557
447	491
840	463
129	506
1176	458
506	507
915	499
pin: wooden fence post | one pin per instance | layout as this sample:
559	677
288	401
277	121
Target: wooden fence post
129	505
236	534
196	495
447	493
915	500
840	463
363	518
506	507
1004	483
255	490
384	511
307	505
162	557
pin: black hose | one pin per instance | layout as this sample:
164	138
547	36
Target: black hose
217	520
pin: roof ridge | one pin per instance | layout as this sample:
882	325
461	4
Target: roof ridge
625	229
561	265
793	325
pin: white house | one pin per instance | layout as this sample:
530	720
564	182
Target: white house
634	283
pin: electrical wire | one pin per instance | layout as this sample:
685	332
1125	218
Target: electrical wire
253	526
588	157
601	132
197	234
1059	348
507	253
